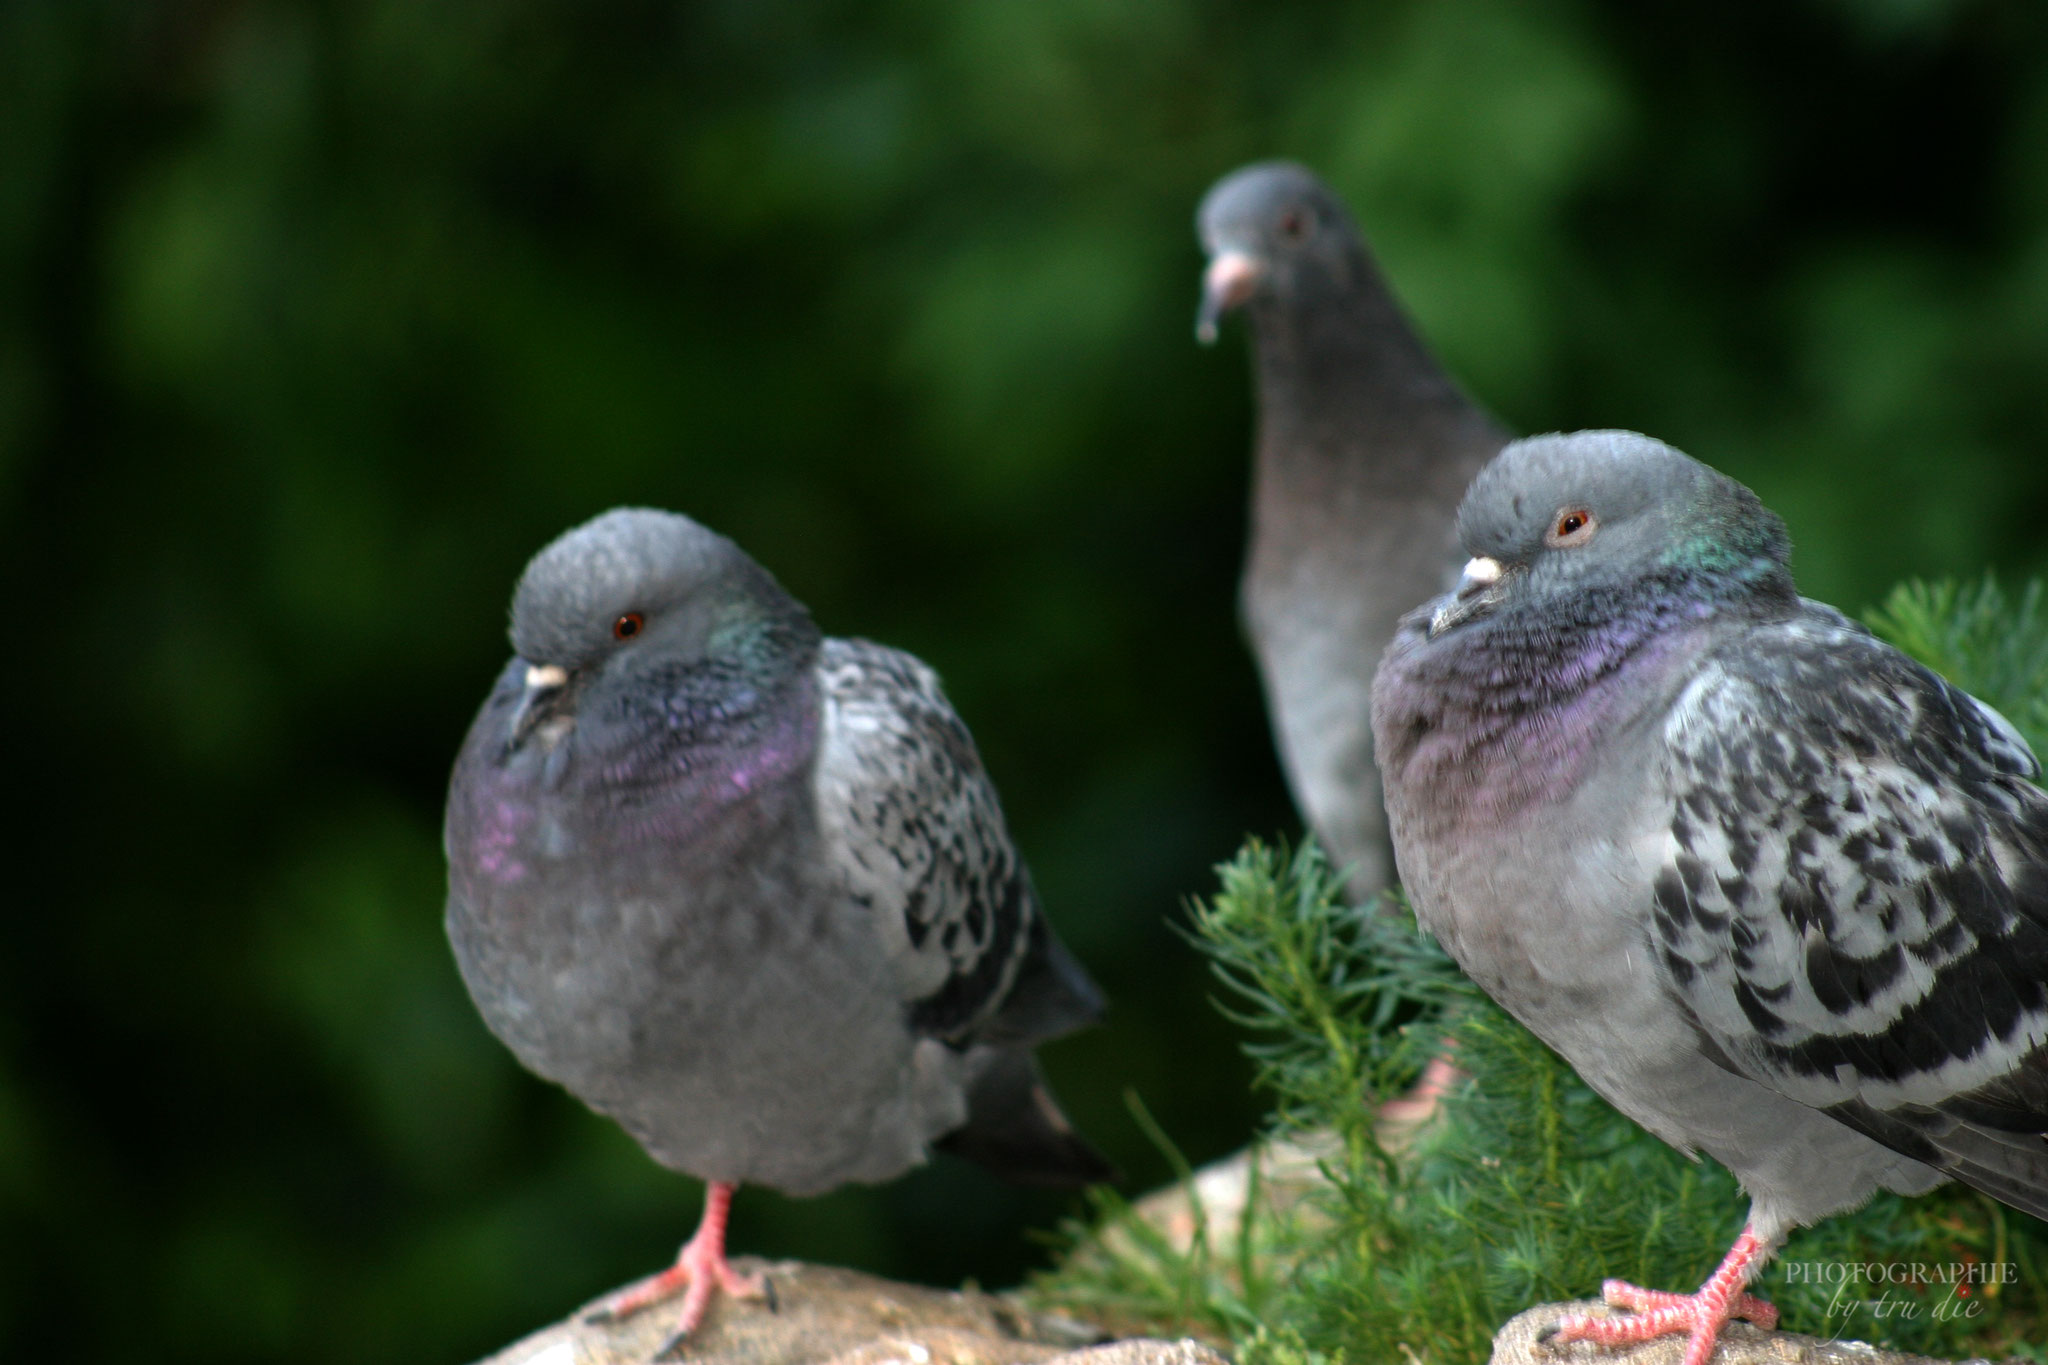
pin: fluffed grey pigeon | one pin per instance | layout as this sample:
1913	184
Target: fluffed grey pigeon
1364	447
1775	890
747	890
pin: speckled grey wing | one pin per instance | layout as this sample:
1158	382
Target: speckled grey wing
914	829
1853	905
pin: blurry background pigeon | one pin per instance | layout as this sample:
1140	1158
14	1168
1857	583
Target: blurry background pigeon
1774	889
748	890
1364	447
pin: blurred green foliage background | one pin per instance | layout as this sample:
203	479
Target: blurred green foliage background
317	318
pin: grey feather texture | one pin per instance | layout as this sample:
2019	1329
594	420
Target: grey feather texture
1364	448
1775	890
746	889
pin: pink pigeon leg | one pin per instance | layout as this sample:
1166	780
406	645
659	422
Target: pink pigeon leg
1419	1103
1699	1315
700	1269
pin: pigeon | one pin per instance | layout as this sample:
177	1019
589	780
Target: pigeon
747	890
1775	890
1364	447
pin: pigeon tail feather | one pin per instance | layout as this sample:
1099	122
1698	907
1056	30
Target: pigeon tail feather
1051	996
1015	1127
2010	1167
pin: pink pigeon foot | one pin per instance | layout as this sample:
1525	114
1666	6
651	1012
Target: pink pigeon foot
1622	1294
700	1269
1658	1312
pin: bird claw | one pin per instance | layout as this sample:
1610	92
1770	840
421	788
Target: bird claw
696	1276
700	1271
634	1297
1748	1307
1658	1312
1654	1313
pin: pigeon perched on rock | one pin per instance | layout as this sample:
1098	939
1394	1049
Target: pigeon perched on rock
1775	890
1364	447
747	890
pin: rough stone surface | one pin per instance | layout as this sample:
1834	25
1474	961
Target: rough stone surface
829	1316
1288	1171
1146	1351
1740	1344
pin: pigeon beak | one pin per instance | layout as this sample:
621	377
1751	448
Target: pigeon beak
1226	284
544	683
1482	587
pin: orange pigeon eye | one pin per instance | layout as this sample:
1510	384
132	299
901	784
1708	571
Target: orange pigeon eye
627	626
1574	527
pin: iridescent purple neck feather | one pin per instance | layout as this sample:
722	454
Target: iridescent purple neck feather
1500	717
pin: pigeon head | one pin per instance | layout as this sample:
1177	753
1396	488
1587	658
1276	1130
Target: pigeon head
634	597
1272	230
1554	520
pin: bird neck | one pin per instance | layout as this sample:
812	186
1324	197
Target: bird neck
1497	720
738	718
1345	381
1526	665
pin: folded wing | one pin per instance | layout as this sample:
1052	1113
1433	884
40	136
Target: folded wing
1853	905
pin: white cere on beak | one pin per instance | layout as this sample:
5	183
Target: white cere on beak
1480	571
540	676
1477	594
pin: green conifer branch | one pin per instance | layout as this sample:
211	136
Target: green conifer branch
1993	647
